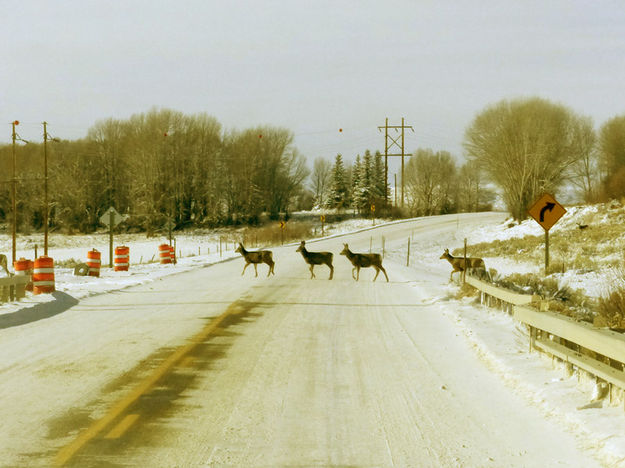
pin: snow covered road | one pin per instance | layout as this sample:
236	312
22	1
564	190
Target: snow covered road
208	368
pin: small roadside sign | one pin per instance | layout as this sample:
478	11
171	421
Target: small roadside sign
546	211
111	215
111	218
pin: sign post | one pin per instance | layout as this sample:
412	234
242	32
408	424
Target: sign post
111	218
323	220
546	211
170	225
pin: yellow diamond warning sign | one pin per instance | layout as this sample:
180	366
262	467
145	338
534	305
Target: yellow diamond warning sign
546	211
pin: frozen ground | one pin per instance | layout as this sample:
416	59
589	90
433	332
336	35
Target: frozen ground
494	336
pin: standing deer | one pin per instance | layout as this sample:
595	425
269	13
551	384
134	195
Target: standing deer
260	256
364	260
457	263
316	258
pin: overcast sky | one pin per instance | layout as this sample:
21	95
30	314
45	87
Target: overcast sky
311	66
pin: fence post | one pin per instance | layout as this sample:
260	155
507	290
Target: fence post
408	254
464	270
383	246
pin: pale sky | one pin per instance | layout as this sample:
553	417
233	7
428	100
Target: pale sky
310	66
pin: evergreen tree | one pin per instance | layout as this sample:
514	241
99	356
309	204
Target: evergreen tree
356	183
366	178
339	193
378	174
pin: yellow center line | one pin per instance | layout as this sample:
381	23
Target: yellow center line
187	362
122	427
67	452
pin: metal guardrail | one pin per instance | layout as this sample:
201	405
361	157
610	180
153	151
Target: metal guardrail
566	338
13	288
502	294
600	352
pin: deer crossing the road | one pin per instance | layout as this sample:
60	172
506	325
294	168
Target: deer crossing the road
260	256
316	258
473	263
364	260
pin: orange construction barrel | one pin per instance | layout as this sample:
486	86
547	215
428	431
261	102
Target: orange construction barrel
43	275
93	262
164	253
172	254
24	267
122	258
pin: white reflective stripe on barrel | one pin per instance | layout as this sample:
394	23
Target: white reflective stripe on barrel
44	270
44	283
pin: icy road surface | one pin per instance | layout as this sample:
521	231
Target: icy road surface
208	368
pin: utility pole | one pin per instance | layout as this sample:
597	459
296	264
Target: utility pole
14	195
14	137
45	187
400	145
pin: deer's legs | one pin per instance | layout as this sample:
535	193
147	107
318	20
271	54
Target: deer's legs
384	271
312	275
271	272
243	272
256	270
331	271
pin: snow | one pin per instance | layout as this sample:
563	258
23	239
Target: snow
496	338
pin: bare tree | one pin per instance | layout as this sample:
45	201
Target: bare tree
612	156
526	147
430	182
321	175
585	172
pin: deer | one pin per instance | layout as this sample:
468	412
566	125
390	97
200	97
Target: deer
260	256
316	258
4	264
364	260
457	263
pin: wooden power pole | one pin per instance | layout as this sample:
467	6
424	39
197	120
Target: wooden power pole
14	194
394	142
46	208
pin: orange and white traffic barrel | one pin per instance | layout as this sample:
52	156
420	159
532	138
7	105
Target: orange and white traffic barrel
122	258
172	254
24	267
43	275
164	253
94	258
